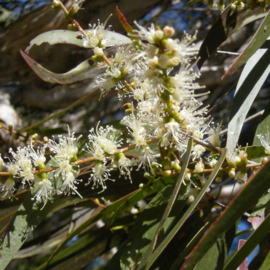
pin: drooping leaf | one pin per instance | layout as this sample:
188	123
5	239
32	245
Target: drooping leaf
83	71
249	246
228	23
28	217
251	80
256	42
182	220
70	37
248	196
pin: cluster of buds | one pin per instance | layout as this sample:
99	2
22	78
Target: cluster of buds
239	4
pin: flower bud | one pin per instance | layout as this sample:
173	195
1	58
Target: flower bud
231	173
159	35
191	199
168	31
98	51
56	4
166	173
264	160
176	165
199	167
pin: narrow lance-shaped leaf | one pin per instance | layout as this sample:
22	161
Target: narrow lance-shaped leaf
117	207
250	244
70	37
227	24
183	219
83	71
256	42
254	189
263	128
146	225
28	217
251	80
266	263
169	205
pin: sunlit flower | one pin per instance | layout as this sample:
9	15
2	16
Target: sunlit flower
43	191
103	142
100	174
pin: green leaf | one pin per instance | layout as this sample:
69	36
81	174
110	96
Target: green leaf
256	42
227	24
116	208
215	256
169	205
262	128
255	152
183	219
28	217
146	226
199	232
263	203
249	246
81	72
254	189
251	80
70	37
87	241
266	263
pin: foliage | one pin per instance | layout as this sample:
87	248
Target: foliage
144	186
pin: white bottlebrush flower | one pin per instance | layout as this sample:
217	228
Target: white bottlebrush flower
67	174
198	151
199	167
265	142
124	165
174	135
77	5
66	146
100	174
95	36
13	168
145	34
103	142
38	156
43	191
183	48
27	175
69	183
22	165
147	157
136	130
232	158
21	157
214	135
